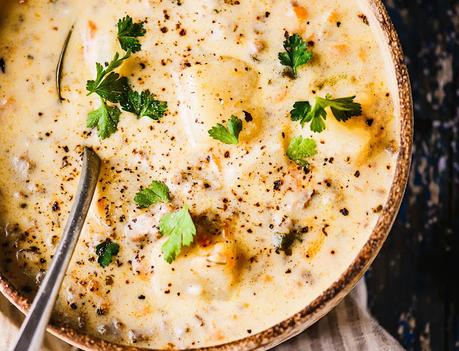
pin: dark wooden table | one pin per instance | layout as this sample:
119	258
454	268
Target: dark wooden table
414	283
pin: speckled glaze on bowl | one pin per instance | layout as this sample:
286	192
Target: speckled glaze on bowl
335	293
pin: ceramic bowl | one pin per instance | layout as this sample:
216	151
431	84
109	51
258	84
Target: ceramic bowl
336	292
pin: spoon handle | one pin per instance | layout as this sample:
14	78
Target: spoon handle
34	327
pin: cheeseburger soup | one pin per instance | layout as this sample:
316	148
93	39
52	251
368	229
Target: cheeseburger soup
248	150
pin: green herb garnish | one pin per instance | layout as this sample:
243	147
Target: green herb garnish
128	32
227	135
157	192
342	108
284	242
180	230
300	149
110	85
144	104
106	251
105	119
296	53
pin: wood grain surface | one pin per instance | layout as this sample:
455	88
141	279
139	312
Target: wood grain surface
414	283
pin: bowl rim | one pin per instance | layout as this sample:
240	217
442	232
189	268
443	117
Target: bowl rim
303	319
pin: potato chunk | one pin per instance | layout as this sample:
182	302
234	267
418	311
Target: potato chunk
145	226
209	272
212	92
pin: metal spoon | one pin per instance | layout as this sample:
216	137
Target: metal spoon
34	327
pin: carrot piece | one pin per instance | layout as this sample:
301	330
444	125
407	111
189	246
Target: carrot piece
363	54
342	48
92	28
301	12
334	17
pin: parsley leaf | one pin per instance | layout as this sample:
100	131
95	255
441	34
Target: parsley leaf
106	251
342	109
157	192
300	149
284	242
180	229
227	135
108	84
303	112
296	53
128	32
144	104
300	112
105	119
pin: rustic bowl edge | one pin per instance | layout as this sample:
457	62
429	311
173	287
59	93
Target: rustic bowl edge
333	295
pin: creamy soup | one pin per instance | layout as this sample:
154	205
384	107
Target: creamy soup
272	232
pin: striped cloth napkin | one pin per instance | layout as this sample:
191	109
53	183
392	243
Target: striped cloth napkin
348	327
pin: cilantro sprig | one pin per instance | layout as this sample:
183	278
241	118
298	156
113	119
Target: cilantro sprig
111	87
177	226
105	119
342	108
180	230
296	53
157	192
108	84
300	149
106	252
229	134
284	242
128	32
144	104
